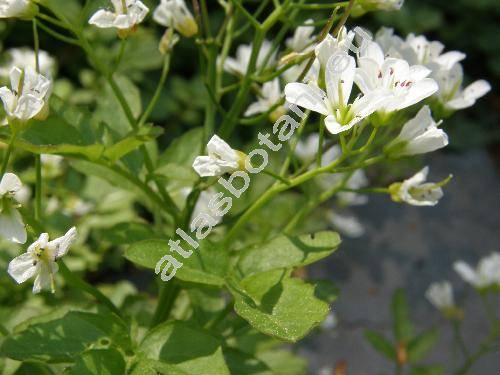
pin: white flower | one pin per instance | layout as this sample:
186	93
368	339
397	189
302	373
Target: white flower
485	275
293	73
409	84
25	9
28	95
330	322
451	93
51	164
25	57
174	13
363	6
270	94
76	207
221	159
334	104
23	195
40	261
303	38
126	16
419	135
239	64
349	225
416	191
307	150
441	295
11	222
330	46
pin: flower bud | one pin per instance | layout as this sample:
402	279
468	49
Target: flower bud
168	41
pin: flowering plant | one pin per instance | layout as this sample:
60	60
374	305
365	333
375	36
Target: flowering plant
215	208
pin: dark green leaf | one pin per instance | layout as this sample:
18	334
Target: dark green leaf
99	362
381	344
244	364
427	370
420	345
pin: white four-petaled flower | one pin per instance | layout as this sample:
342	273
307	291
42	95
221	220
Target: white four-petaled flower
270	94
334	104
303	38
416	191
174	13
24	58
126	16
419	135
28	95
221	159
11	222
239	64
40	261
485	275
408	84
441	295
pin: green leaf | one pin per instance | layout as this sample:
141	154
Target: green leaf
184	149
381	344
244	364
61	340
403	327
132	142
99	362
126	233
427	370
278	305
326	290
33	369
69	10
288	252
188	348
207	265
151	367
283	362
420	345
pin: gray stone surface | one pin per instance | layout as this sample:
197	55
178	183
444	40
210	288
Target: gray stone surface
411	247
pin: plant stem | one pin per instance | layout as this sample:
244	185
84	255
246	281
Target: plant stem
168	294
77	282
8	154
457	333
38	187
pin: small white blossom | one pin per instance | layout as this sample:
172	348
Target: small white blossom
452	95
51	164
419	135
270	94
76	207
441	295
40	261
307	149
334	104
25	9
363	6
126	16
303	38
221	159
408	84
416	191
239	64
25	57
485	275
330	46
28	95
330	322
174	13
11	222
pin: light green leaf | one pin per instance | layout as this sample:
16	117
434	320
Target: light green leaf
61	340
131	142
420	345
278	305
288	252
381	344
151	367
283	362
189	348
184	149
207	265
99	362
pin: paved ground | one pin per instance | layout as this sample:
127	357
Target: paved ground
411	247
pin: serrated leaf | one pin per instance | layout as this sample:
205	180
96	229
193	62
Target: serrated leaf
61	340
288	252
381	344
403	327
99	362
188	348
420	345
278	305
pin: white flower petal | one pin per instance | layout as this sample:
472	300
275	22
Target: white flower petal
21	268
307	96
10	184
12	226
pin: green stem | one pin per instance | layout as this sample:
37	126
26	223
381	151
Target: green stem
38	187
123	43
59	36
8	154
320	6
275	176
4	331
319	154
457	333
212	324
166	299
77	282
36	45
